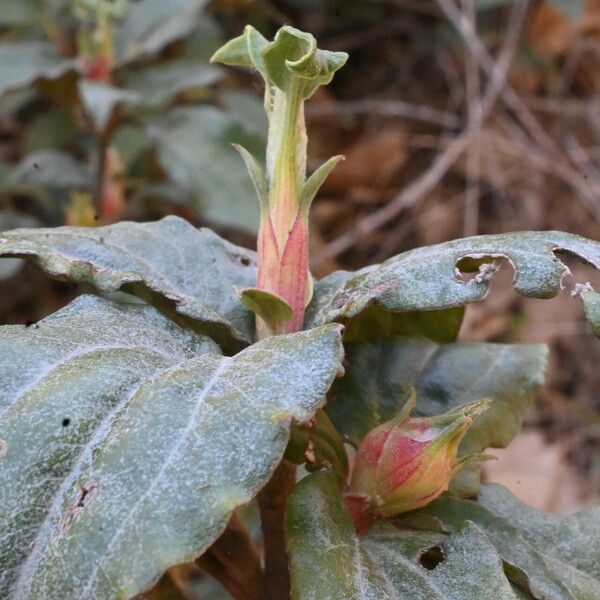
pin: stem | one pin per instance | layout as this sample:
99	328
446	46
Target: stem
287	164
101	174
272	501
235	562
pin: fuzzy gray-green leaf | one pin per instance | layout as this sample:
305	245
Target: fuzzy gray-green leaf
187	273
127	452
63	382
426	279
384	564
548	555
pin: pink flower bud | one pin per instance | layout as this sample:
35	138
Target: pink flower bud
406	463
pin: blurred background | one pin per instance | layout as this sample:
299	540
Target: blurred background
457	118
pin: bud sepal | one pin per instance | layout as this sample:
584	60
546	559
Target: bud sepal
407	462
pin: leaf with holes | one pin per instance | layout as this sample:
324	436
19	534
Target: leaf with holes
381	376
187	273
546	555
426	278
384	564
119	429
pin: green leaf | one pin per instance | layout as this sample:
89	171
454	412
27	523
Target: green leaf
9	220
156	85
247	110
573	540
245	50
380	378
591	306
426	279
18	12
152	24
195	149
64	381
54	128
51	169
318	445
257	175
293	57
100	100
187	273
160	445
23	63
316	180
488	4
375	324
275	311
383	565
559	562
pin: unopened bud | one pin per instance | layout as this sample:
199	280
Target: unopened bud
407	462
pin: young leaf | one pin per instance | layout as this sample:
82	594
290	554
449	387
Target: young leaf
257	174
380	378
127	439
187	273
425	278
244	51
383	565
275	311
293	57
316	180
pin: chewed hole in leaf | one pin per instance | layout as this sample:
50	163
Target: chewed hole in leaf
477	269
432	557
66	422
580	271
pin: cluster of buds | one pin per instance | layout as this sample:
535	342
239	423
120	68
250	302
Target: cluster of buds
407	462
292	68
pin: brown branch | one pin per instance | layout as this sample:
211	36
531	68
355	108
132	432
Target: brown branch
272	501
235	562
385	108
428	180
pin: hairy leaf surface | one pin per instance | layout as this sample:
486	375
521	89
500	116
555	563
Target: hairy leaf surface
126	453
549	556
384	564
426	279
63	382
495	548
185	272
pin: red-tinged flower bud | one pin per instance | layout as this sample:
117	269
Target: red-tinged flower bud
407	462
